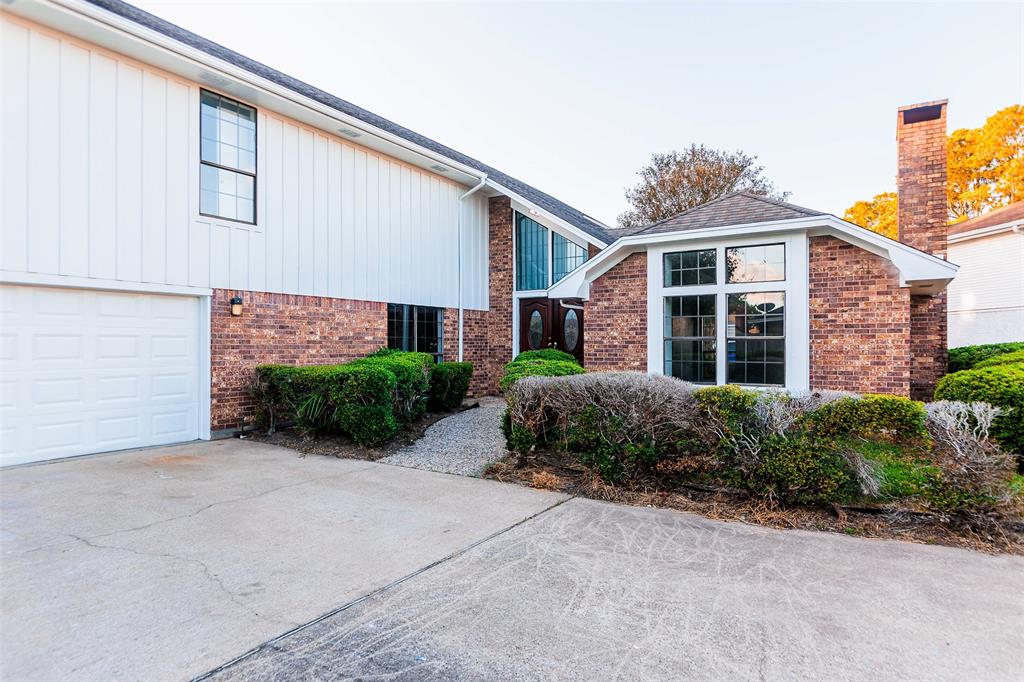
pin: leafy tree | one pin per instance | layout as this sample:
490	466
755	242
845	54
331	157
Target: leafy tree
677	181
986	165
878	214
985	170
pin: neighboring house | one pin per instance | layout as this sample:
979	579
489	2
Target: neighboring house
174	213
986	302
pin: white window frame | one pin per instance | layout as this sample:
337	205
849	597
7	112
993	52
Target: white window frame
797	323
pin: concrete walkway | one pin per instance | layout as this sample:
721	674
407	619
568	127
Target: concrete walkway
464	443
246	561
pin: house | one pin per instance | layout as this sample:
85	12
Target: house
986	301
174	213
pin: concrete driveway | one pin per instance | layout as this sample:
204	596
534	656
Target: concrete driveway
170	563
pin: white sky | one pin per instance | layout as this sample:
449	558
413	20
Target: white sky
574	98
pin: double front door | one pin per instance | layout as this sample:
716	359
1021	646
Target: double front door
548	323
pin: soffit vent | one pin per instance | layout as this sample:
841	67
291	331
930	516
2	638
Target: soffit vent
348	132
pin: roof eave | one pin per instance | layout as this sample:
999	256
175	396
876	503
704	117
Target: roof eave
922	272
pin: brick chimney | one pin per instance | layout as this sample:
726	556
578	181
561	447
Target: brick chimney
921	176
922	218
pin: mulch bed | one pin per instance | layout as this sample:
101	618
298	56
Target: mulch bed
555	471
344	447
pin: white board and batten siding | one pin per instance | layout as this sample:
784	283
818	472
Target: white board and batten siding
100	181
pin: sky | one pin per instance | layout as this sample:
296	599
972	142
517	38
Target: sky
573	98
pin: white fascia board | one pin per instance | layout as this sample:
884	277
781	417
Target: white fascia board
1013	226
914	266
547	216
44	12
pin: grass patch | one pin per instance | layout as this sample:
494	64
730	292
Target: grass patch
900	473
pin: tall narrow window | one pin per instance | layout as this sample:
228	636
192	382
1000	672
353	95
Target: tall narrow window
566	256
756	339
416	328
531	254
690	340
227	154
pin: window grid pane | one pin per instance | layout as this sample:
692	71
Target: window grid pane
686	268
690	338
416	328
756	339
566	257
531	254
764	263
227	151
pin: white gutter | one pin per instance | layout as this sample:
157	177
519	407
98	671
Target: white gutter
483	181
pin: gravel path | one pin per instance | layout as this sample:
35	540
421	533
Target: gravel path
463	444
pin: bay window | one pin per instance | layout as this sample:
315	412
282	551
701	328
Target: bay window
724	314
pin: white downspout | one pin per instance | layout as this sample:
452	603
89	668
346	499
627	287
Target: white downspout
483	181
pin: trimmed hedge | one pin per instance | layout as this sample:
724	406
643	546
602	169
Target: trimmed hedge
546	354
368	399
1012	358
449	383
355	399
825	447
517	369
999	385
966	357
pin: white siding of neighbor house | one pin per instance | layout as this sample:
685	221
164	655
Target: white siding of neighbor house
986	300
100	180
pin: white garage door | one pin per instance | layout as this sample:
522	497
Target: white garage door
85	371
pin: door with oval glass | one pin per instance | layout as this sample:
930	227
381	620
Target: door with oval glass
546	323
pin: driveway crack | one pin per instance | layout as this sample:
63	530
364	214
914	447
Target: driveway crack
272	643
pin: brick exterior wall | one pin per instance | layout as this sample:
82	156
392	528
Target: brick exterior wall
475	347
499	317
860	321
922	217
615	318
286	329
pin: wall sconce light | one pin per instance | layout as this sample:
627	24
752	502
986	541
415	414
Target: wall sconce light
236	306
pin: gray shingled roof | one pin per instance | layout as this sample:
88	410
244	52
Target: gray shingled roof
737	208
547	202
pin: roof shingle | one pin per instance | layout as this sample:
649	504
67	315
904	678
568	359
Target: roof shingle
1000	216
737	208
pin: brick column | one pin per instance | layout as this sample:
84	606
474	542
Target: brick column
499	318
922	218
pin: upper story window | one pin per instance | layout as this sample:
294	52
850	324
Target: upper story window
685	268
566	256
227	156
764	263
531	254
543	256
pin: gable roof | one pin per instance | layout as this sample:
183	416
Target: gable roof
545	201
736	208
1000	216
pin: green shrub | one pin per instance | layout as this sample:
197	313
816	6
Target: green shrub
731	405
517	369
966	357
901	474
449	382
1013	358
356	399
412	379
800	470
871	416
546	354
1002	386
602	443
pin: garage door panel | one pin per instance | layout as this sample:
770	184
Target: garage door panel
87	371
